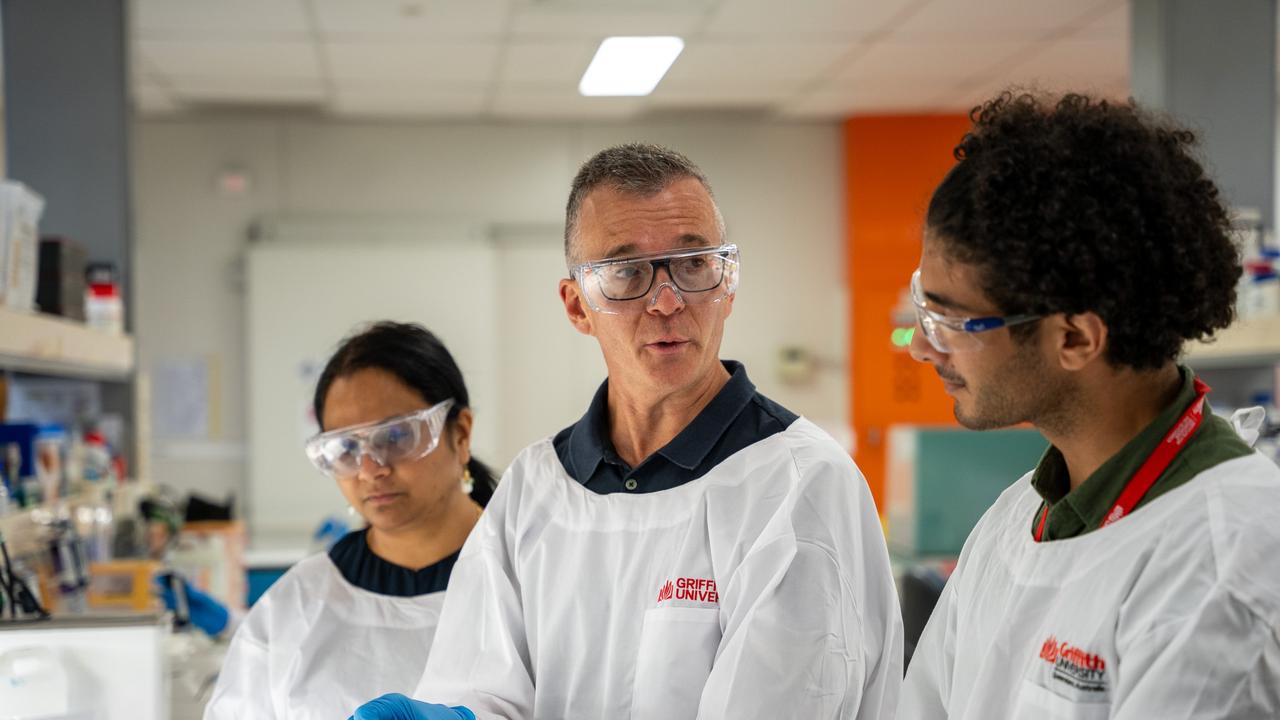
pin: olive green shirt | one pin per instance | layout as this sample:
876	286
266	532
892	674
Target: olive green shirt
1079	511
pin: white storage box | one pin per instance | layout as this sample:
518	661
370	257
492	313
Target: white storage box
20	211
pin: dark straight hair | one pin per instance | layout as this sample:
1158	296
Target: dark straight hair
417	357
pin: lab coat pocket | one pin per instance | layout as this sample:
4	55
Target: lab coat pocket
1035	701
677	648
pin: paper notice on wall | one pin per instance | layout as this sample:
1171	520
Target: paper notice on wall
180	398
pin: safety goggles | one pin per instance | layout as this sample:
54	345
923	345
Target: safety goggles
949	334
403	438
696	276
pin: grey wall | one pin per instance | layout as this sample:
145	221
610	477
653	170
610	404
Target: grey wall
66	118
1213	65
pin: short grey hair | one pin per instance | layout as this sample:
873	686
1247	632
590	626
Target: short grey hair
636	169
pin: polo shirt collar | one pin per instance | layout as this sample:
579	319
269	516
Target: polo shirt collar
590	444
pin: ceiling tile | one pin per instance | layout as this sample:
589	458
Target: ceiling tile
1074	61
1097	64
543	104
706	64
1113	23
546	62
927	61
366	19
231	58
998	19
567	20
844	19
436	58
237	19
435	62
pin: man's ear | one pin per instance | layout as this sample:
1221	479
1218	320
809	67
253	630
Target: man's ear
575	306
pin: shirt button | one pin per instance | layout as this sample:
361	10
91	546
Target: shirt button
631	484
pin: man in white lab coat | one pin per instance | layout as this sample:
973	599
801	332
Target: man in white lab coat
688	548
1071	253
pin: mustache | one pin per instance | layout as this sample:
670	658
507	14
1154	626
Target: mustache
953	379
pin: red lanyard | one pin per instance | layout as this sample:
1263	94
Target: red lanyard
1155	464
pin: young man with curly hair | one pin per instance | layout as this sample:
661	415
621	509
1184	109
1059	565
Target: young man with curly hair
1069	256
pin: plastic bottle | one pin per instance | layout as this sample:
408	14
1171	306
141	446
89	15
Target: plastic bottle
50	454
103	306
97	458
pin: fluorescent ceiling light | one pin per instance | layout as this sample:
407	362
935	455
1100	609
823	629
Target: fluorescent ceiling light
629	65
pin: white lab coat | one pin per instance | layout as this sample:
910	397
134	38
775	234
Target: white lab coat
761	589
316	646
1172	612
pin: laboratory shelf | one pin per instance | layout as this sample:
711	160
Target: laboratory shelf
1255	341
50	345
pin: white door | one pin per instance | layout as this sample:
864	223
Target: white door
309	286
548	371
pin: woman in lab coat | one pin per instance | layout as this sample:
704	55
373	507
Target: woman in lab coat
344	626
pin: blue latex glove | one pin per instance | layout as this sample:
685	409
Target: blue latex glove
331	530
205	612
395	706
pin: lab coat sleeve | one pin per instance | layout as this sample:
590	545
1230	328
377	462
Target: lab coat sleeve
811	629
926	692
1222	662
480	657
244	683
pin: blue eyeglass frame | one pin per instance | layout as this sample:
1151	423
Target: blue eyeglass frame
969	325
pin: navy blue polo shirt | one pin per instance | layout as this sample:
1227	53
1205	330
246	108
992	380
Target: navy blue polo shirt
737	417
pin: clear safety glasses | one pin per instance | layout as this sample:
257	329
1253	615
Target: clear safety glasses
948	334
696	276
404	438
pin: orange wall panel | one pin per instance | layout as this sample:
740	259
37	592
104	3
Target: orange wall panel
892	164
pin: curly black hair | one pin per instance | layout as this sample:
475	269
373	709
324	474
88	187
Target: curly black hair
1073	205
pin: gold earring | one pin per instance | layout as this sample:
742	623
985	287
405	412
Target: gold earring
468	484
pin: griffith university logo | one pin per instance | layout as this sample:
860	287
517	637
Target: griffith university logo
665	592
1075	667
698	590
